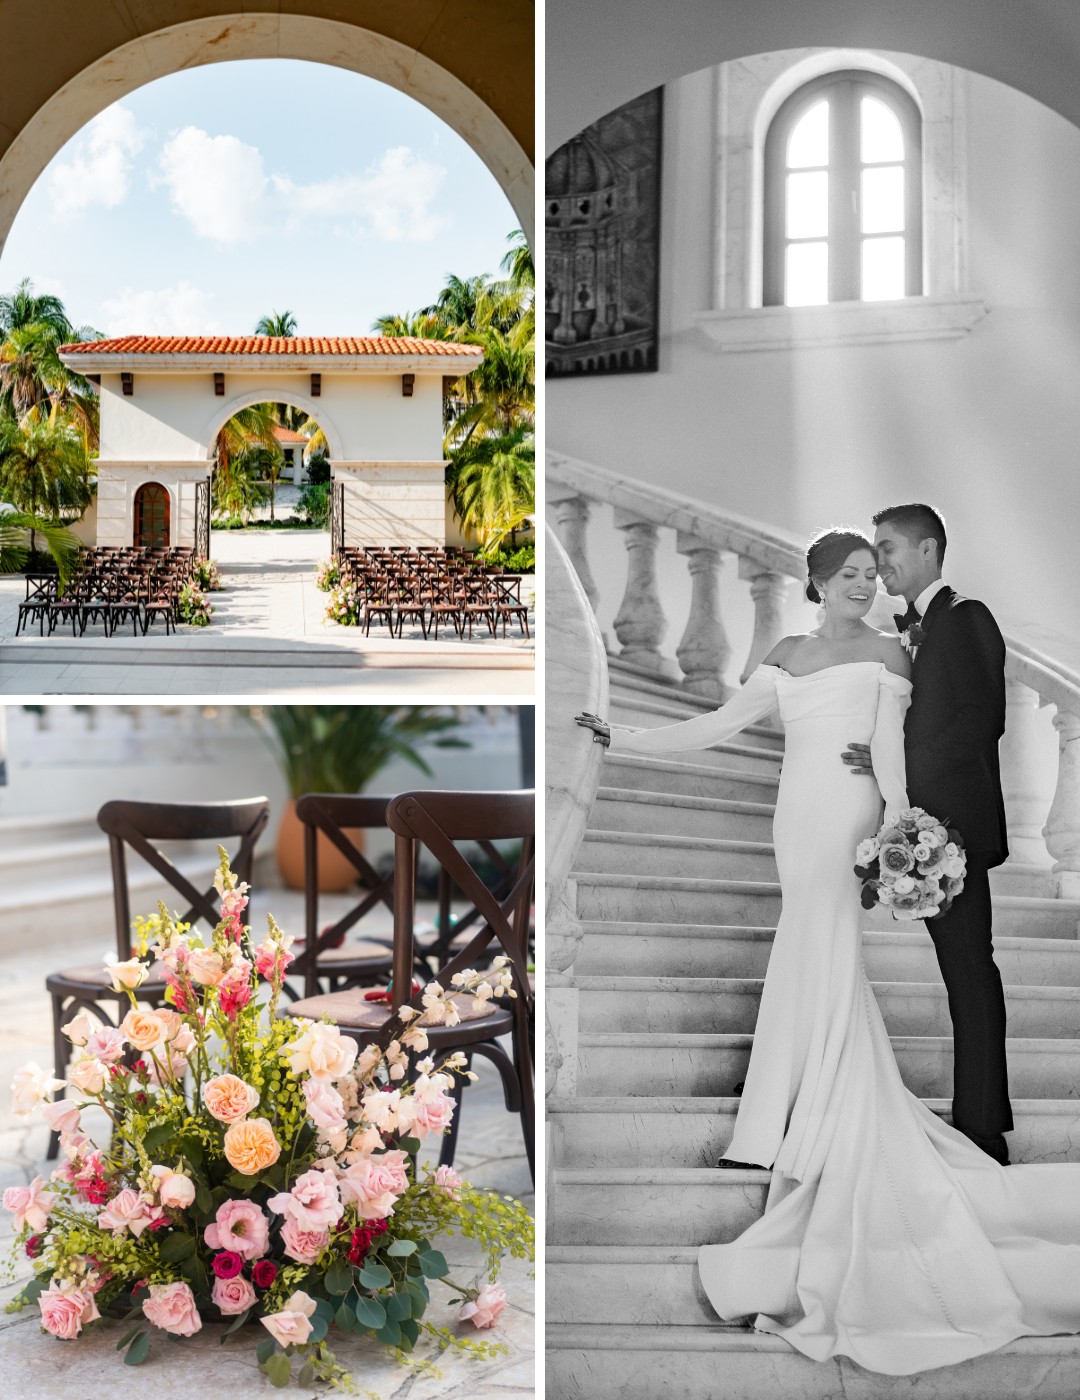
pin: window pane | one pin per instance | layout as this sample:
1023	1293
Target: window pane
808	205
882	137
882	199
882	269
806	274
808	143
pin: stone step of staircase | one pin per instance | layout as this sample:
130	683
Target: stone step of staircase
693	779
656	1205
745	753
641	1360
901	954
596	1285
690	1005
29	831
692	1132
674	814
673	899
688	1065
678	703
697	857
37	863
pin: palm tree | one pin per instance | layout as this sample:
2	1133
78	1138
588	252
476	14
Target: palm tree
18	539
44	468
518	262
492	483
416	325
25	307
278	323
500	394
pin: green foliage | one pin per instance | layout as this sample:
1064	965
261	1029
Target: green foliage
514	561
314	504
492	481
44	467
18	530
318	469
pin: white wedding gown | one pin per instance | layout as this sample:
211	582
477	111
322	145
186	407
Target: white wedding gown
887	1235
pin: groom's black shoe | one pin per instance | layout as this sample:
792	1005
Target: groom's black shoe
994	1146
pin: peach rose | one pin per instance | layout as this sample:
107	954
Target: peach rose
143	1029
125	975
171	1306
251	1147
206	967
322	1051
81	1028
232	1295
484	1309
292	1325
228	1098
89	1075
171	1021
65	1310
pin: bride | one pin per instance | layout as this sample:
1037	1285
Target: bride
888	1236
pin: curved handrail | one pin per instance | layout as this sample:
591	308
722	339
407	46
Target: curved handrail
1045	660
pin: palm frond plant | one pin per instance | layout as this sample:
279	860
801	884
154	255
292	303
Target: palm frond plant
44	466
492	483
19	532
278	323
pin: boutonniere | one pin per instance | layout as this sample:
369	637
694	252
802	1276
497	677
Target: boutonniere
913	637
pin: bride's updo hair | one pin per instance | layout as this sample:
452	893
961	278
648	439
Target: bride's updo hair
827	551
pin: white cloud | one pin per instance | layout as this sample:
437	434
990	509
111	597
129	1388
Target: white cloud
99	168
393	199
217	183
179	310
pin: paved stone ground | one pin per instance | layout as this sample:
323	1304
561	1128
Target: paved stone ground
35	1366
269	636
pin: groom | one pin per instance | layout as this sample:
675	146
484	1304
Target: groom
951	735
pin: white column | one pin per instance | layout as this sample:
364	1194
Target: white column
704	650
1062	829
640	623
572	518
769	591
1027	796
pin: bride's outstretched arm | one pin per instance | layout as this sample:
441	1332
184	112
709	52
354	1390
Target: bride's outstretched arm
754	701
887	744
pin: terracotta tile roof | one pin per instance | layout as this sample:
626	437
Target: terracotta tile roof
287	435
270	345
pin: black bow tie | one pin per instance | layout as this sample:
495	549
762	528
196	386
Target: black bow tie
909	619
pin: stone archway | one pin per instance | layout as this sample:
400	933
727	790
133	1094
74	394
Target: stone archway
1033	47
477	76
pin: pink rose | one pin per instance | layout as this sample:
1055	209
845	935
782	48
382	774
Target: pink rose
228	1098
65	1310
325	1106
431	1110
129	1210
313	1202
241	1226
292	1325
375	1183
484	1309
90	1075
449	1183
174	1188
304	1246
30	1205
171	1306
107	1045
232	1295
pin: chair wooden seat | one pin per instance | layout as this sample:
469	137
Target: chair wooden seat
87	975
356	1017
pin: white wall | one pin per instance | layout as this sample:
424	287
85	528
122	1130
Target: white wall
986	427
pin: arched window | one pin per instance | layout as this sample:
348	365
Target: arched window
152	515
843	193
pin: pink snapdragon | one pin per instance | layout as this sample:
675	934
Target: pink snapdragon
314	1201
240	1226
30	1205
65	1310
234	989
375	1183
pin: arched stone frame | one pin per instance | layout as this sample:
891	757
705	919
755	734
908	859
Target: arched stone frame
140	487
225	36
273	393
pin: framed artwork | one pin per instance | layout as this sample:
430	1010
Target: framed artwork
602	219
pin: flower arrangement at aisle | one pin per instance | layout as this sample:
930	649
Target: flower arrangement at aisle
262	1169
343	605
328	575
914	866
195	607
205	576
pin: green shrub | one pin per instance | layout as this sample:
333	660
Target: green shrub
314	504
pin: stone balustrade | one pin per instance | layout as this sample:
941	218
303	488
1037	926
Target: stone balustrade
1042	809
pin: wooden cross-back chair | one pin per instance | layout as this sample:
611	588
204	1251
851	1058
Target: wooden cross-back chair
441	822
139	825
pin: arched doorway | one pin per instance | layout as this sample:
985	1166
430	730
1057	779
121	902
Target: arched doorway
476	77
152	516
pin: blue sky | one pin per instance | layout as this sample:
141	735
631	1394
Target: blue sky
209	198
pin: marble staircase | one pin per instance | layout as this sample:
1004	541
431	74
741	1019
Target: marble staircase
675	891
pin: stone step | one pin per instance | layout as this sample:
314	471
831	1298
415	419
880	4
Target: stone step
674	814
697	857
656	1205
636	1062
641	1360
692	1132
744	753
693	1005
675	900
30	831
595	1285
892	955
37	864
677	701
638	771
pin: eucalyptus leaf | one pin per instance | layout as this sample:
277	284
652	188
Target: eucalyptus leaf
390	1334
433	1264
242	1182
370	1312
345	1318
377	1276
237	1322
319	1328
399	1248
398	1306
264	1350
128	1336
203	1200
136	1352
306	1374
410	1331
338	1277
278	1369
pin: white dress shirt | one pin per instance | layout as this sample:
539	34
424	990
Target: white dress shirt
922	602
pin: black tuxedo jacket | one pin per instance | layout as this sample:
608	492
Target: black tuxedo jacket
956	718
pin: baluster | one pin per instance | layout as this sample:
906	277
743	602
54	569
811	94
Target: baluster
769	592
1062	829
572	517
1024	783
704	650
640	623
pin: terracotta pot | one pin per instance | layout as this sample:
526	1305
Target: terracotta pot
335	872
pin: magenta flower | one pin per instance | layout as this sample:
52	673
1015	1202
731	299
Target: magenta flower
227	1264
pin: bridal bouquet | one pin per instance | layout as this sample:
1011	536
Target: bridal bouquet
261	1169
914	866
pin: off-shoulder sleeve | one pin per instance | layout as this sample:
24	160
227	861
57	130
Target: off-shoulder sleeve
754	701
887	744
